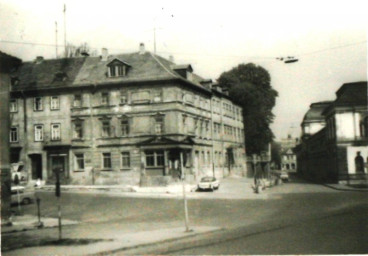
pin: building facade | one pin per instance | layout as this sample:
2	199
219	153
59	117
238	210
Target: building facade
288	156
339	151
122	119
7	65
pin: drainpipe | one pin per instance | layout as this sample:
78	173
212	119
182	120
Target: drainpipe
93	146
212	138
25	145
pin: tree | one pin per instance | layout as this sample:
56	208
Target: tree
249	86
78	51
276	154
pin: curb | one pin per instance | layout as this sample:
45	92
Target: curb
344	189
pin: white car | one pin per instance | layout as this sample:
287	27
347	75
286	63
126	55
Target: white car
208	183
284	176
25	196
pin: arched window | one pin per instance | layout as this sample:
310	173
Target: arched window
287	167
293	166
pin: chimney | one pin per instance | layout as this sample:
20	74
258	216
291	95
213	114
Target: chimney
39	59
104	54
171	58
141	48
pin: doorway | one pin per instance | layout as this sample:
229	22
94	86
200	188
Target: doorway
36	165
58	162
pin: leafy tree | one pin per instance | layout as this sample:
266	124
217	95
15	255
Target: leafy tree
249	86
78	51
276	153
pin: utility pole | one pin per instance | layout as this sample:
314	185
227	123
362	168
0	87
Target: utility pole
184	193
65	30
154	39
56	40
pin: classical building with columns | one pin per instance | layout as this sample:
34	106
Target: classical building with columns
132	118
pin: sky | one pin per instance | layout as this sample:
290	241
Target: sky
329	38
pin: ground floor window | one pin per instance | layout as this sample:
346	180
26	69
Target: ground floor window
106	160
125	159
79	161
154	158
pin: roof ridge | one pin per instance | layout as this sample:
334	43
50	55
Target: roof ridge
162	65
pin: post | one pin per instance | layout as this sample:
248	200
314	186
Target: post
184	194
58	194
39	224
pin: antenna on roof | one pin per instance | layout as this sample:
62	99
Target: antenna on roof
56	40
65	29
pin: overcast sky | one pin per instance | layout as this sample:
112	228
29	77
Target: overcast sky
328	37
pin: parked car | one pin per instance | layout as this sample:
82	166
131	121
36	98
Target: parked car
18	172
208	183
284	176
25	196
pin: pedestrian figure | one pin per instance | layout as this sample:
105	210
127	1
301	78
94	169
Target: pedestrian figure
359	163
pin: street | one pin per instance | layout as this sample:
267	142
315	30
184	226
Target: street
343	233
310	218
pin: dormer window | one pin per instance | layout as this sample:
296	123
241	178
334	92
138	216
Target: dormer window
117	68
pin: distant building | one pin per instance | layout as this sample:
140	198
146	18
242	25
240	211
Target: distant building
313	120
122	119
339	151
288	157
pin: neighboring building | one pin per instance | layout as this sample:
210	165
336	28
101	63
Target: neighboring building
339	151
122	119
288	157
313	120
7	65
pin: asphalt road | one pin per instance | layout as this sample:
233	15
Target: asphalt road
342	233
297	206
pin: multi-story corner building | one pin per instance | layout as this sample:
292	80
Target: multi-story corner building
122	119
339	151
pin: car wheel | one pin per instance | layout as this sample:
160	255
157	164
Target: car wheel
26	201
218	187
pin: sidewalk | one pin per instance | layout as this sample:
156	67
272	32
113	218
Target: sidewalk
230	188
345	187
92	240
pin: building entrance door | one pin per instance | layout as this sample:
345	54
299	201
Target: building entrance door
36	165
59	163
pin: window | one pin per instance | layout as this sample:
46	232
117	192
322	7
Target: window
123	97
14	134
79	161
78	130
124	126
13	105
184	121
106	128
125	159
54	103
38	132
364	127
55	131
105	98
77	101
106	160
155	158
37	104
157	96
117	70
159	124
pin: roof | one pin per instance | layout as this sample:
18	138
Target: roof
350	95
315	111
33	76
85	71
8	62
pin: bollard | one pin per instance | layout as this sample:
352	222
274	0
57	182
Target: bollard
39	224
